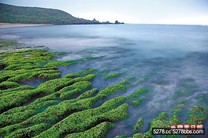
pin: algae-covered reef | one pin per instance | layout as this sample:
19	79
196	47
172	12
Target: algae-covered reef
59	106
66	106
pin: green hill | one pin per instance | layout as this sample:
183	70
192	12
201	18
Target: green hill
34	15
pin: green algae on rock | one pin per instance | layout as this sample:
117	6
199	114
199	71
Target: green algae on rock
5	43
99	131
113	75
53	112
59	103
139	124
197	115
137	102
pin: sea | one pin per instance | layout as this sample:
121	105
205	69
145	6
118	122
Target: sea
170	61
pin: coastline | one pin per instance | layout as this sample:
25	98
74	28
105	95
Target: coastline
10	25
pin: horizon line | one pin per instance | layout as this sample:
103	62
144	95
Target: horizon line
165	24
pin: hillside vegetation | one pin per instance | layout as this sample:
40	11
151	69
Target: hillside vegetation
17	14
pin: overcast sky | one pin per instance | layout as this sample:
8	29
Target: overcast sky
129	11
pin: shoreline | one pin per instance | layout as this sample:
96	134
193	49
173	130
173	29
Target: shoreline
10	25
14	25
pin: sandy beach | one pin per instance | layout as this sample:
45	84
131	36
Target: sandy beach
9	25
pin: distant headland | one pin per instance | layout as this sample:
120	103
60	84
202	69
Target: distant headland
35	15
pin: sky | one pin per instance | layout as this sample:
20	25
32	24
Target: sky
129	11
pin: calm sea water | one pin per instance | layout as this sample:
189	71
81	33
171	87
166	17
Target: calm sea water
171	61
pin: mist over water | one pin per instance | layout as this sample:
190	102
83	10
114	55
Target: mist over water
170	61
